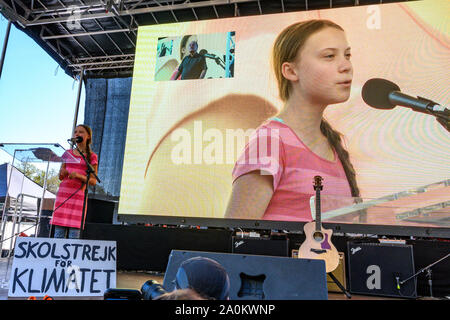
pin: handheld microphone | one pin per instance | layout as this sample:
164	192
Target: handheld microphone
384	94
75	140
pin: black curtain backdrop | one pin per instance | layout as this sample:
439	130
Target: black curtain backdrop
106	112
148	248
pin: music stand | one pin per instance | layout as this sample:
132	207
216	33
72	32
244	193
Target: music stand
28	153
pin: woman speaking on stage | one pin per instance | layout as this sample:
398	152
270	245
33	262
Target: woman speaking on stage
70	197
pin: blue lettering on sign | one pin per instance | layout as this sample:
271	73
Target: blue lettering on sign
86	252
59	279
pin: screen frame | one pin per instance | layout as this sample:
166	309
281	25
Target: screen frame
378	229
291	226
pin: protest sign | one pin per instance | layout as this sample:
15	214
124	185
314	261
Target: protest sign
62	267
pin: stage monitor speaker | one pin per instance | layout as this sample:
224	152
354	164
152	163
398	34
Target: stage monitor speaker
254	277
376	269
268	247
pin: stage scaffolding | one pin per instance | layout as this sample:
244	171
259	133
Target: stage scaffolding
98	38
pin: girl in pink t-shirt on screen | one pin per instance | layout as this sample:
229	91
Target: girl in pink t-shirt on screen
273	177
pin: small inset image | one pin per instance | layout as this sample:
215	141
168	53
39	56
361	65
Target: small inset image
200	56
165	47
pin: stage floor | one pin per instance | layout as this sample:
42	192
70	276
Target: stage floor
135	280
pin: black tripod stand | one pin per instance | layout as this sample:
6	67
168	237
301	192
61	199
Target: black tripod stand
339	285
90	170
427	269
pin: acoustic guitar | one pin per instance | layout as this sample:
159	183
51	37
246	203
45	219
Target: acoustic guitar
317	244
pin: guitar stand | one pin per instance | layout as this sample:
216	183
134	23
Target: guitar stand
340	285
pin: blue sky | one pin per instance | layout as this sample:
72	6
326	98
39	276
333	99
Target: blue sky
37	98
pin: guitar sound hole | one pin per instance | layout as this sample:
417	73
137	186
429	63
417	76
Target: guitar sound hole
318	236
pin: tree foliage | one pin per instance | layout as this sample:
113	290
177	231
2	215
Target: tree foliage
38	176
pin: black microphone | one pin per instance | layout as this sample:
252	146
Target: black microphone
75	140
384	94
205	53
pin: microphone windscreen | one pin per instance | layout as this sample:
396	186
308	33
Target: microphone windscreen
375	93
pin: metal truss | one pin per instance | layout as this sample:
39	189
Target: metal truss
124	61
70	42
90	10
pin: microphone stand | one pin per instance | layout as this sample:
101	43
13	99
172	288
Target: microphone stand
444	120
90	170
428	270
442	116
216	59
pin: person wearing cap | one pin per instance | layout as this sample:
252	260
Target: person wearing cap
204	275
181	294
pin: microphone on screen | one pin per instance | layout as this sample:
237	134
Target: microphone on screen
205	53
384	94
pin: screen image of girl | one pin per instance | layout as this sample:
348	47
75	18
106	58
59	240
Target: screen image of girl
273	176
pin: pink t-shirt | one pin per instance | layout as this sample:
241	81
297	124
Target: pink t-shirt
275	149
69	202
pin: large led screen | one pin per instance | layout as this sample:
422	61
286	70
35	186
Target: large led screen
189	122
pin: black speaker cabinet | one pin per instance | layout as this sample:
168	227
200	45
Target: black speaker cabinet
100	211
377	269
267	247
44	226
255	277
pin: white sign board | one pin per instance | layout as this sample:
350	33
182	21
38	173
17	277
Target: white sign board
62	267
